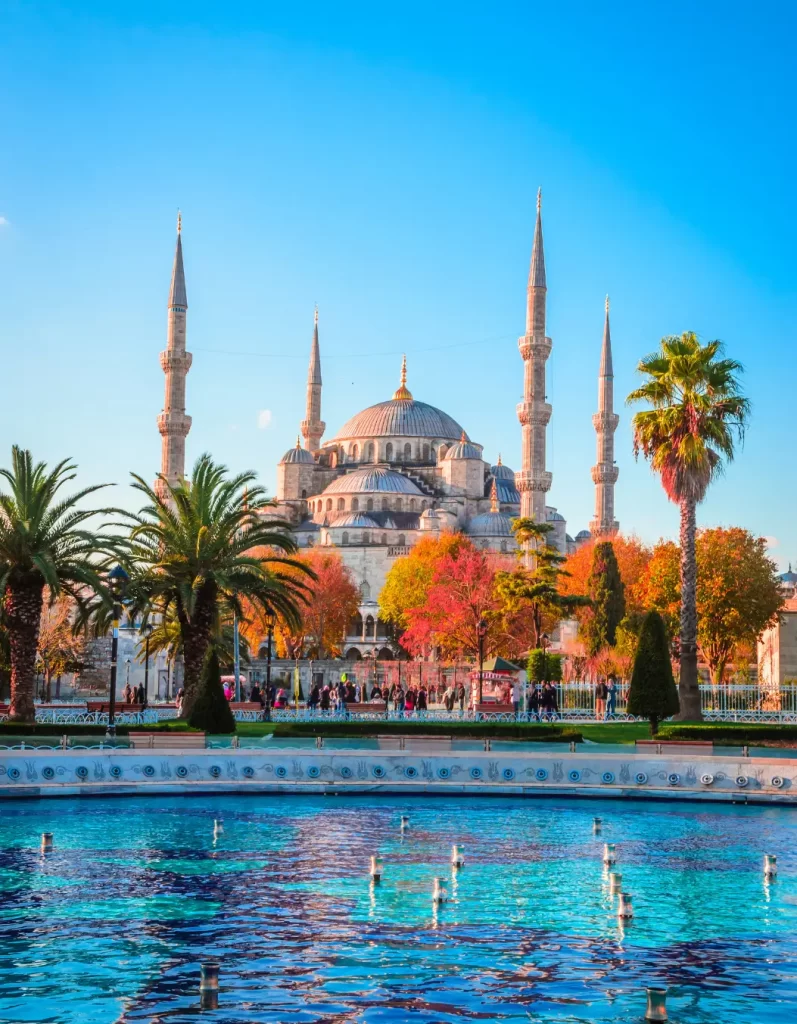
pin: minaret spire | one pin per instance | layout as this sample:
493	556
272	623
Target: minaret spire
312	425
534	481
605	420
173	423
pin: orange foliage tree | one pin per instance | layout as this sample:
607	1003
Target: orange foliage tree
632	560
410	577
460	593
331	602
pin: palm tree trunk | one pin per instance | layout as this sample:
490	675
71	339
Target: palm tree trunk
23	612
688	688
196	639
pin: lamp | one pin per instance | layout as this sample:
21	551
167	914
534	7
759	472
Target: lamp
481	632
271	620
117	584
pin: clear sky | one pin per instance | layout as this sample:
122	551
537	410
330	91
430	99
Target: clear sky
382	161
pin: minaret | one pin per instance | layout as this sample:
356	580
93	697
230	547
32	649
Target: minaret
533	481
605	420
312	425
173	423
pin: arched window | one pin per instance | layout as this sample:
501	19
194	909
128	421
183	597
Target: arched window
345	538
385	504
485	545
423	505
441	451
408	452
341	504
401	540
355	452
304	493
369	452
388	452
369	505
412	504
433	454
398	504
355	504
365	591
329	504
384	538
369	626
381	629
355	626
426	453
366	537
503	547
320	505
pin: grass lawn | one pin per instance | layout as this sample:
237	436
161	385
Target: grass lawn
615	732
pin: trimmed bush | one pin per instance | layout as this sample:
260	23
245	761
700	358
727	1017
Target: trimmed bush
737	734
653	694
210	710
494	730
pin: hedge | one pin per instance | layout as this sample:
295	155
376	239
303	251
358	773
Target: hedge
494	730
739	732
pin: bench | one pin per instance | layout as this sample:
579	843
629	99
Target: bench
245	705
377	707
495	709
167	740
675	746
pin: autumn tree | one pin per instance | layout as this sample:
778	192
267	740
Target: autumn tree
632	558
410	577
606	592
738	591
331	604
59	650
459	595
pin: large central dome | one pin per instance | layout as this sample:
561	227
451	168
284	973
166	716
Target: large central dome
402	416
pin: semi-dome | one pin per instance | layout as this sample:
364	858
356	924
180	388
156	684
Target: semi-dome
555	517
429	513
371	479
463	449
583	535
297	454
490	524
356	520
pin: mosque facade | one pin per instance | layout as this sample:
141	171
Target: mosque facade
403	469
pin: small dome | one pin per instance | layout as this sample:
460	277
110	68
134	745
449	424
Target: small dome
367	480
297	454
555	517
569	539
429	513
583	535
502	472
490	524
463	449
356	520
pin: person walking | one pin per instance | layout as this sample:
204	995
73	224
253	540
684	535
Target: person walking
516	696
461	697
127	694
611	697
533	699
325	699
421	704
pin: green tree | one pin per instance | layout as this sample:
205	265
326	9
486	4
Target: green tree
544	667
195	553
43	543
606	592
652	693
696	417
210	709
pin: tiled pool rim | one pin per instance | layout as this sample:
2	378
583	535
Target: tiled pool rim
710	777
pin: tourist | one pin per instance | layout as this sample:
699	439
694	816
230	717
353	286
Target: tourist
376	693
178	700
325	699
611	697
127	694
358	694
533	699
600	700
516	697
398	700
448	698
227	691
548	701
281	699
349	695
409	700
341	701
315	697
139	696
421	703
461	696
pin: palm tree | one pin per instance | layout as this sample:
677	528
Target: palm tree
43	543
698	414
192	553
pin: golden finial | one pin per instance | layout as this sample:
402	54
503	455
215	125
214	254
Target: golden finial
463	438
494	498
179	222
499	463
539	199
607	305
298	442
403	392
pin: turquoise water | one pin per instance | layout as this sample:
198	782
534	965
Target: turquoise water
112	926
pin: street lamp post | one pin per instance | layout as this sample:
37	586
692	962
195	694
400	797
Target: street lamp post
481	630
147	631
270	621
117	578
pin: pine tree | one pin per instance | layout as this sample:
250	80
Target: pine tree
653	693
606	591
211	709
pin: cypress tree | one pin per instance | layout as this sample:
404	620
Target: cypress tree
606	591
653	693
211	710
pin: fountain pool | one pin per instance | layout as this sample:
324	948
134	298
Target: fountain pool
138	891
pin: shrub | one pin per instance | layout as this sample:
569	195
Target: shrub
653	694
211	710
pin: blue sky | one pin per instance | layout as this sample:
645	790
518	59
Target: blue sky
384	163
